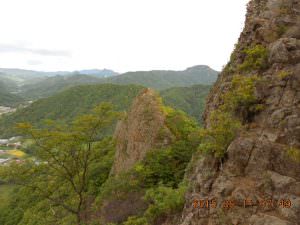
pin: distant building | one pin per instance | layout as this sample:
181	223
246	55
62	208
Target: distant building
15	145
4	161
4	141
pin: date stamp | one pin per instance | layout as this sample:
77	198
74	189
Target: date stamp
247	202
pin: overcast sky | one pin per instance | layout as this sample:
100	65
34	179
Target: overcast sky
122	35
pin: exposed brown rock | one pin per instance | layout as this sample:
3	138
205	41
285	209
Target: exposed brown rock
143	129
257	165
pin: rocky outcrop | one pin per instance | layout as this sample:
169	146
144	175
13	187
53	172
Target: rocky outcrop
143	129
257	166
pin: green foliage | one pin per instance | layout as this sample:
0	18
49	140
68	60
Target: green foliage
100	168
5	192
294	154
221	132
241	94
164	201
223	125
116	187
163	168
18	201
67	105
49	86
69	157
161	80
179	123
158	80
133	220
188	99
283	74
154	169
256	59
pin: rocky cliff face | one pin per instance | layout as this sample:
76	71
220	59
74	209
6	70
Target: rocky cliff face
257	167
140	132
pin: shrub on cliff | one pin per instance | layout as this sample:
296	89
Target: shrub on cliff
164	201
223	122
223	129
256	59
241	95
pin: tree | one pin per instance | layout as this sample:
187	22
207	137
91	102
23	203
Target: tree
64	157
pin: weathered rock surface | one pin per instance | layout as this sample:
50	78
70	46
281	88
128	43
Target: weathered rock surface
257	165
143	129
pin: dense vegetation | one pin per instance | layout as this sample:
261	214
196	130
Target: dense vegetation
74	163
65	179
160	80
78	100
68	104
49	86
188	99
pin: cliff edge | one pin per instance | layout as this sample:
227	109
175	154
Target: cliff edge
259	177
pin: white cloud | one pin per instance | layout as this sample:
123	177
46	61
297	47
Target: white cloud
34	62
17	48
121	35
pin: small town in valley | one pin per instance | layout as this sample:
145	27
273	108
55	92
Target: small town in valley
10	151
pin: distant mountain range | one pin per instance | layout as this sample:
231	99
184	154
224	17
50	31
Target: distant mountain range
23	76
163	79
98	73
34	85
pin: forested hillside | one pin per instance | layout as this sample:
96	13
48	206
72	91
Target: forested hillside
160	79
64	106
52	85
188	99
77	100
75	184
8	99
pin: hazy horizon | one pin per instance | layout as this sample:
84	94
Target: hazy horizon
111	69
134	35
